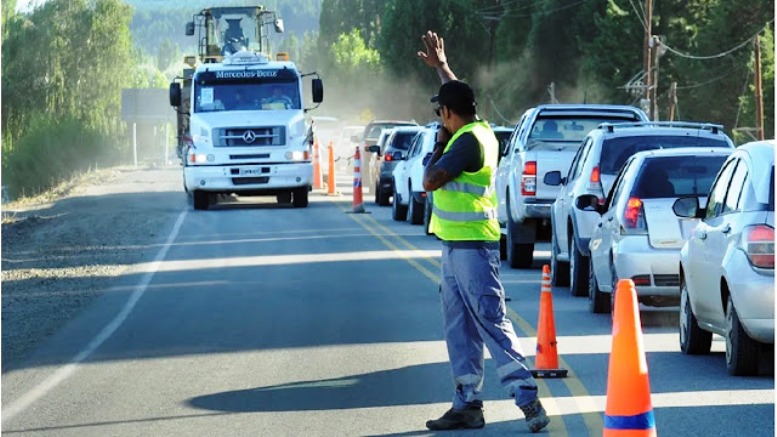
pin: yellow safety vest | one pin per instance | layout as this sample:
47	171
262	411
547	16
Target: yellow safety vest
465	208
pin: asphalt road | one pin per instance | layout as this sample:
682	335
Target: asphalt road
259	319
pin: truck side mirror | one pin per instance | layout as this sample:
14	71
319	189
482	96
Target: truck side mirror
278	25
318	91
190	28
373	148
175	94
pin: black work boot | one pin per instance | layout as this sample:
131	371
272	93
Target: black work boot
536	419
458	419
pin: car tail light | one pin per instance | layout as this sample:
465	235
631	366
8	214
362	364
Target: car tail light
595	185
758	243
634	215
641	280
529	179
388	158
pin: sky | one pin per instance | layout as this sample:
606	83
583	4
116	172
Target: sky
27	5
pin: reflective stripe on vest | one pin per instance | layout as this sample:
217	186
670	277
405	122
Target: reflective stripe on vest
463	187
465	216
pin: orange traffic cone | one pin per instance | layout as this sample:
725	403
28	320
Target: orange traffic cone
318	181
546	361
629	411
331	189
358	203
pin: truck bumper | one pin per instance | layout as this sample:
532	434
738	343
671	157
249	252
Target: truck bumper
254	179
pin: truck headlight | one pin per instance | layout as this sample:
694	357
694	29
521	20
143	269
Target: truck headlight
297	155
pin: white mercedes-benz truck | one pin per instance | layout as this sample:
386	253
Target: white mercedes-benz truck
245	132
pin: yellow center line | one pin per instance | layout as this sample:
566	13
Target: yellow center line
582	398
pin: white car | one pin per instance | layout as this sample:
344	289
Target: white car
727	265
638	236
593	170
409	195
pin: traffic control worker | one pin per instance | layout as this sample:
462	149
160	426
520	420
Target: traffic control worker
461	174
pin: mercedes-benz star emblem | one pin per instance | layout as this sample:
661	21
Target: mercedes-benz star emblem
249	136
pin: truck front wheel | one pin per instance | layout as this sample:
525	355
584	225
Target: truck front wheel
200	199
300	197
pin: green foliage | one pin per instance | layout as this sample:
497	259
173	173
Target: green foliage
53	150
69	60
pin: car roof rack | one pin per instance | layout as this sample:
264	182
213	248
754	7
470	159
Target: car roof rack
715	128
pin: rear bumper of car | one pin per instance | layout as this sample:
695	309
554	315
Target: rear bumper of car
237	179
753	296
536	208
657	269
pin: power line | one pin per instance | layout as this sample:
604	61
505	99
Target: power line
719	55
640	15
707	82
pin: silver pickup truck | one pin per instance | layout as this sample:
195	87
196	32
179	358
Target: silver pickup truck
545	139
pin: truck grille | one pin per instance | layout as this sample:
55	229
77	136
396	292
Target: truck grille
251	136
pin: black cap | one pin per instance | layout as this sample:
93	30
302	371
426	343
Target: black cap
456	96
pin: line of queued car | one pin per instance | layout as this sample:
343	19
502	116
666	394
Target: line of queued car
685	215
673	206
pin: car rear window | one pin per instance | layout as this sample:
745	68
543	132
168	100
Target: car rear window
615	151
402	140
374	130
572	129
677	176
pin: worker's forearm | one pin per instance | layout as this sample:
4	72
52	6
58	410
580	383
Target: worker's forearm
445	73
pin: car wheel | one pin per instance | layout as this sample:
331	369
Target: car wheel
742	352
559	270
398	211
301	197
383	196
578	269
519	256
415	212
693	340
283	198
598	302
201	199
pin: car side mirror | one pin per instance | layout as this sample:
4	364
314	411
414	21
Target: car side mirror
426	158
589	202
553	178
374	149
688	207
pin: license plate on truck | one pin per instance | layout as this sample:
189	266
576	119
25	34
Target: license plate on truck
253	171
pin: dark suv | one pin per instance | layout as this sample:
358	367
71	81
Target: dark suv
370	161
394	149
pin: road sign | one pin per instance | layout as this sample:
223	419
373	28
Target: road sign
146	104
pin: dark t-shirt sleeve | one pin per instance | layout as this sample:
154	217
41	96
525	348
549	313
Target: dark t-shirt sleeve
464	155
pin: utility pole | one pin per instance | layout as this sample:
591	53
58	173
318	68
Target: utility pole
647	55
759	104
672	101
657	52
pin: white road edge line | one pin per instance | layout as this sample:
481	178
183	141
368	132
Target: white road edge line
65	371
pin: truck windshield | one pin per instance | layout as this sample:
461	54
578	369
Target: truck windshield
246	96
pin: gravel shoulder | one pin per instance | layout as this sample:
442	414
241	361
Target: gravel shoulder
62	250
